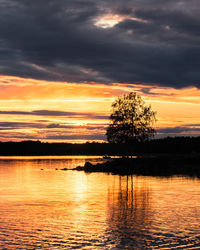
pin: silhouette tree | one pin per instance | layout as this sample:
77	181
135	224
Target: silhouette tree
131	120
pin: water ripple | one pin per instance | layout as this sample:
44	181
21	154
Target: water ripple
74	210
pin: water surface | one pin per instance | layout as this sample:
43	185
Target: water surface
54	209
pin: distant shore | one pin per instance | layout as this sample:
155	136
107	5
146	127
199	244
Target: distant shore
161	165
176	145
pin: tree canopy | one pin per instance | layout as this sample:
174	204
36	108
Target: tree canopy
131	120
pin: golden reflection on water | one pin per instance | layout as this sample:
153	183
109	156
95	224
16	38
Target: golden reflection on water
129	211
52	209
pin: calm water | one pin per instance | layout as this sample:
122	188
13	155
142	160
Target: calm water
52	209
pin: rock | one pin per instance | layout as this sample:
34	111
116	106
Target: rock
88	165
79	168
64	169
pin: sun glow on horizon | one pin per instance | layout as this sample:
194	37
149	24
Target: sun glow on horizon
74	112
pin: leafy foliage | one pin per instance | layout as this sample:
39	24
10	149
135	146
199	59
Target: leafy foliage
131	120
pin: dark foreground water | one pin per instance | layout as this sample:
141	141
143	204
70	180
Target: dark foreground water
52	209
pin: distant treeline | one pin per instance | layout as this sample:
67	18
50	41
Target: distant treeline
167	145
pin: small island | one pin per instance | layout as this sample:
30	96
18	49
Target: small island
130	126
152	165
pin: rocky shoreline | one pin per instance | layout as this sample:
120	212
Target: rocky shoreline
154	166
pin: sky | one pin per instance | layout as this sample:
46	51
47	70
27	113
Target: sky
63	63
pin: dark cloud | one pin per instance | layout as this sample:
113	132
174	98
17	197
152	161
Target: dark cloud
17	125
94	137
157	43
38	125
87	127
178	130
175	20
55	113
193	125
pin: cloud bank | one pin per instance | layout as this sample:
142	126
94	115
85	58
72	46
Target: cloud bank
153	42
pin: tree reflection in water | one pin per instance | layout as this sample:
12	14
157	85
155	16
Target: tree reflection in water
129	214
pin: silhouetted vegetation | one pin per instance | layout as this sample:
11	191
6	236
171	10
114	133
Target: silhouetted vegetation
163	165
176	145
131	120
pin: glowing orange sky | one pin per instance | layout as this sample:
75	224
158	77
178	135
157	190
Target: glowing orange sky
27	107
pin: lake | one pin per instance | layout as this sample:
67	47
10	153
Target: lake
54	209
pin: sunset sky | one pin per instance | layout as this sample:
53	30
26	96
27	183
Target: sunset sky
63	62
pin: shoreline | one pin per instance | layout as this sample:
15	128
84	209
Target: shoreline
165	165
